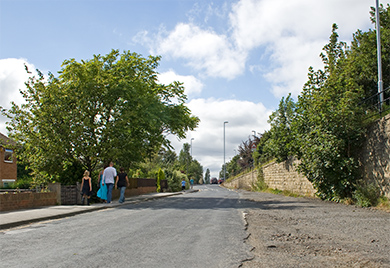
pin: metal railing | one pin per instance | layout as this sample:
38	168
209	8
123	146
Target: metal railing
374	106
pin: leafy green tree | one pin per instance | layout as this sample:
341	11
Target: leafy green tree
329	125
281	137
195	171
207	176
185	158
107	108
362	59
261	154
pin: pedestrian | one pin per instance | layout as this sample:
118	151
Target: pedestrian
109	175
121	182
102	192
192	183
86	187
183	184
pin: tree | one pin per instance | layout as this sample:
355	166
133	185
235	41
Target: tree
160	177
261	154
207	177
195	171
245	151
185	158
329	125
107	108
281	140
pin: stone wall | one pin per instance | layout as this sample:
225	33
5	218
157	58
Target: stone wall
374	160
375	157
282	176
245	181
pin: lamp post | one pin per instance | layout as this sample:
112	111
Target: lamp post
379	54
224	165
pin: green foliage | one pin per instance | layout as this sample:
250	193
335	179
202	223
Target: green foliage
262	154
107	108
71	173
260	185
160	177
195	171
24	183
174	179
366	195
281	139
326	127
207	177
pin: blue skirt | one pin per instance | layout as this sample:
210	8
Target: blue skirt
102	193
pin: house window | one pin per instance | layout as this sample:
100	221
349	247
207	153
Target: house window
8	156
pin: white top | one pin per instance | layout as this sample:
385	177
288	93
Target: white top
109	175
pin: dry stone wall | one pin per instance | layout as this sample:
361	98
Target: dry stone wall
374	160
284	176
375	157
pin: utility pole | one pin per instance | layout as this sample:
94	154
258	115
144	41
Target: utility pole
224	165
378	44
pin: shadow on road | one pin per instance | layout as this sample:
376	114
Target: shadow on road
187	202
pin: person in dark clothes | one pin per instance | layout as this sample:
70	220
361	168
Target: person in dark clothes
121	182
86	187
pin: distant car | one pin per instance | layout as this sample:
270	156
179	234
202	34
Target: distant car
214	181
220	181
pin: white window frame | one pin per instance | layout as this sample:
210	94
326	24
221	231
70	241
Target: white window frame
11	158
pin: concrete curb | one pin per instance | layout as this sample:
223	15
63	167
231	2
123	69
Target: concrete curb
78	210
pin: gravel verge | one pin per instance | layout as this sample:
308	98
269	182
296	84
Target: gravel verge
307	232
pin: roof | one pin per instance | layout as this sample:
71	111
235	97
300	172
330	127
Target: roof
5	140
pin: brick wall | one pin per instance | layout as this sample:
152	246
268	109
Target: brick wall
15	201
8	171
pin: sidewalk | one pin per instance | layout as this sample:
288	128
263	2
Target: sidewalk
21	217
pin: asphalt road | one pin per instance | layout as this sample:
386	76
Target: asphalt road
202	229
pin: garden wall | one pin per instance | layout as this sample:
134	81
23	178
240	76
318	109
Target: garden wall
26	200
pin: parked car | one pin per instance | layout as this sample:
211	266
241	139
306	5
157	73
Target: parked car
214	181
221	181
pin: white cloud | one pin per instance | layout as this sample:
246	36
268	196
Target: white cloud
293	32
243	117
12	78
192	85
204	50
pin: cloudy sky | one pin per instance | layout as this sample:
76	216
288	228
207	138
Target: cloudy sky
236	58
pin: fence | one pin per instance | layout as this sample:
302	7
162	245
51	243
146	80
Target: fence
373	105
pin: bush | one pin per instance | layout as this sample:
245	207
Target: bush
366	195
160	177
174	181
23	183
260	185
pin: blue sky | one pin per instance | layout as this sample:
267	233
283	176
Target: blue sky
236	58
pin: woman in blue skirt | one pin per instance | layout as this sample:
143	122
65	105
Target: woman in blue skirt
102	193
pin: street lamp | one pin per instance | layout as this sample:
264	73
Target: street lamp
379	55
224	165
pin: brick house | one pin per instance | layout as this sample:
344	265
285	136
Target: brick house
8	169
